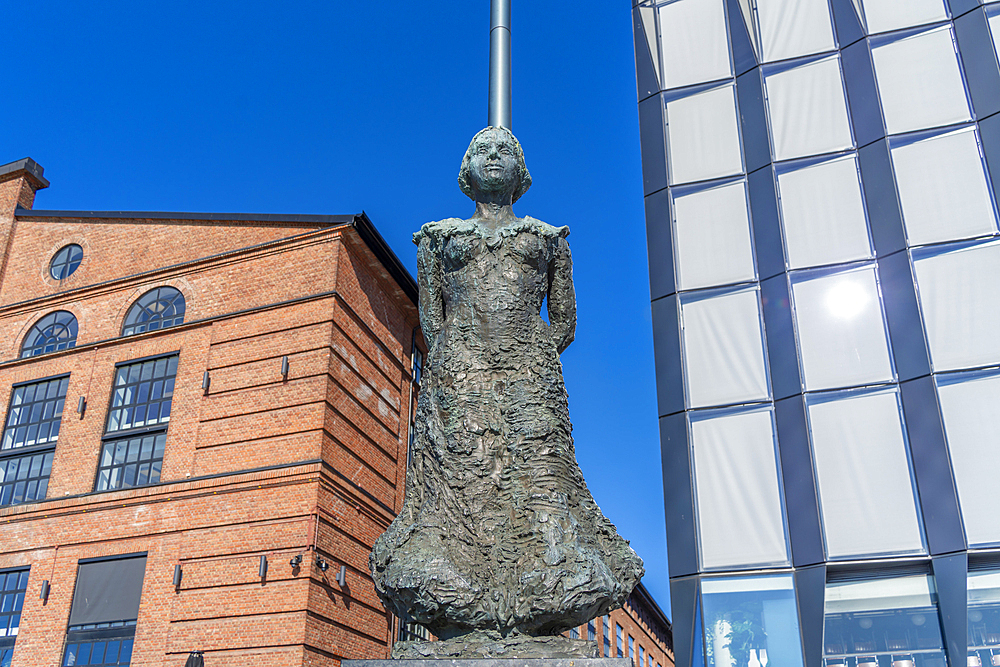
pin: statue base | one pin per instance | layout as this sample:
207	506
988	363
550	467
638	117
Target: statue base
485	644
493	662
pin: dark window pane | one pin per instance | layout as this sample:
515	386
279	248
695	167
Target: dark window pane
156	309
55	331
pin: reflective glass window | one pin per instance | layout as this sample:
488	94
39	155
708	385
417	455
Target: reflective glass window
703	137
56	331
712	236
889	622
694	42
943	188
738	495
750	621
13	586
156	309
960	304
866	493
885	15
920	82
791	28
972	426
29	438
807	109
66	261
136	432
823	213
984	616
723	348
841	331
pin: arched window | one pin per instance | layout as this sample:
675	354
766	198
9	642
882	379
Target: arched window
56	331
156	309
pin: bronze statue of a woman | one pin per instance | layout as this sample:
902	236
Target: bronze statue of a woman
498	534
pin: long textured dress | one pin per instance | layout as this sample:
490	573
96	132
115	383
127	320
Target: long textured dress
498	530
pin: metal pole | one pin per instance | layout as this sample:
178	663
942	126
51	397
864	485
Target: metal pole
500	63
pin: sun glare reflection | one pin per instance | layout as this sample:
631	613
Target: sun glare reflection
846	298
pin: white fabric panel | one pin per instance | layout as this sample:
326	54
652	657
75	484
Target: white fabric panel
881	594
884	15
971	413
703	138
842	337
919	82
865	490
960	304
943	189
791	28
808	110
750	22
712	231
694	42
723	349
750	584
994	22
647	15
823	214
739	504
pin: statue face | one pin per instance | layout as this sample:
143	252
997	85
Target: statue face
493	167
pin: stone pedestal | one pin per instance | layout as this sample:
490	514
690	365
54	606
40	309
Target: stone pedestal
494	662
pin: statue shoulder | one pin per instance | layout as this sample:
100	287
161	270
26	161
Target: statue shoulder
545	229
441	229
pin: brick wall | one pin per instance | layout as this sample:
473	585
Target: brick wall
261	464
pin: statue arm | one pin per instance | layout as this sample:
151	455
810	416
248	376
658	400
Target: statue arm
562	296
429	282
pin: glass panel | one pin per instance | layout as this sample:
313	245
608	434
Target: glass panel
694	42
823	214
994	21
808	110
960	304
920	82
863	473
883	623
751	621
984	618
943	189
712	230
972	425
790	28
740	519
703	138
884	15
723	349
842	336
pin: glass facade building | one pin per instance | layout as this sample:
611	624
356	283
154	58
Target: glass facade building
821	184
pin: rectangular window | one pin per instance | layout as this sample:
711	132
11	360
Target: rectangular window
591	630
642	656
29	439
606	624
866	493
104	612
418	365
136	432
723	348
13	584
631	649
883	616
737	489
574	633
984	612
620	641
759	613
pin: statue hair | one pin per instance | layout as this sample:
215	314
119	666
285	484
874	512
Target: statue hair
523	177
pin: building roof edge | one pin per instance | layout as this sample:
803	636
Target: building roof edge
647	599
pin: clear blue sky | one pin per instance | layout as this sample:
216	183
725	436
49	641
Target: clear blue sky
345	105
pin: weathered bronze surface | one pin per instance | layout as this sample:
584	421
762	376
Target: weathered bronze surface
499	535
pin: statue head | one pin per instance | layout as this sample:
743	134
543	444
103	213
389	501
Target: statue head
494	163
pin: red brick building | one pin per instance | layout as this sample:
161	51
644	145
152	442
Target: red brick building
639	631
205	428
